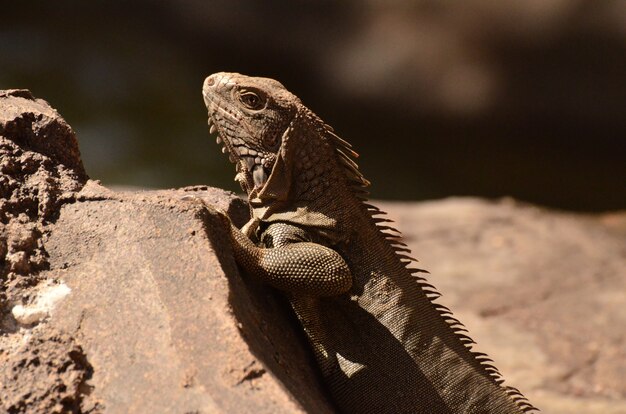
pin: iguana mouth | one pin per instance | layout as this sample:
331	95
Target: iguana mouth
253	167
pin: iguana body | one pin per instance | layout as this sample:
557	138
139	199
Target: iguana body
382	344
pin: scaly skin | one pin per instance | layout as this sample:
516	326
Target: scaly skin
383	345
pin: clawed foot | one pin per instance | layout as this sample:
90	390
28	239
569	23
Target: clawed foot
249	229
211	209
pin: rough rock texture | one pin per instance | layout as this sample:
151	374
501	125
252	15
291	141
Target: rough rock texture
47	373
130	301
40	167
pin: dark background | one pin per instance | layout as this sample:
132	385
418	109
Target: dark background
488	98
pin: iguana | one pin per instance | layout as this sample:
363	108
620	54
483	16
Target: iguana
383	344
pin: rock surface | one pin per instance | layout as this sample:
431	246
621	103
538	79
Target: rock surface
161	311
130	301
125	302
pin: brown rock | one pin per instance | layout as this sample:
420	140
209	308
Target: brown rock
45	374
34	126
40	168
159	305
129	301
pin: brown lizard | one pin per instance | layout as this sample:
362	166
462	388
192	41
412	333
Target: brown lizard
382	342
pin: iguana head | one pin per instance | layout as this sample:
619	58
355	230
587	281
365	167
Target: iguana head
287	158
250	115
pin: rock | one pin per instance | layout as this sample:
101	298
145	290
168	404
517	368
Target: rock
42	370
159	305
34	126
542	292
40	168
47	372
129	301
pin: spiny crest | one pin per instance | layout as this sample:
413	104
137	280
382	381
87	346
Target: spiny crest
346	156
359	184
455	325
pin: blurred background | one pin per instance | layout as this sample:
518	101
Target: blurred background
488	98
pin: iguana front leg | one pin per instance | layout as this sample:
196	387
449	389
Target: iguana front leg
291	264
296	267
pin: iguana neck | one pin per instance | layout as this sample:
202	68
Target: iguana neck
309	186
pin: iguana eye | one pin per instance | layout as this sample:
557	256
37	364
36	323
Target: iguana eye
251	100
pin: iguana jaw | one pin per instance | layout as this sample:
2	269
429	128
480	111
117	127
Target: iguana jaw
253	167
265	177
250	131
